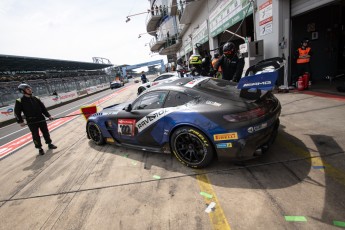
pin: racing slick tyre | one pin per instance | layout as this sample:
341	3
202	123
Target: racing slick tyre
191	147
95	133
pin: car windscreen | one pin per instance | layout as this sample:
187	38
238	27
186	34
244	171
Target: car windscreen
219	88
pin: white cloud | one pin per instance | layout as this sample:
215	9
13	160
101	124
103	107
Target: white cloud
76	30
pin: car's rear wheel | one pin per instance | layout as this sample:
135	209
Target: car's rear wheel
95	133
191	147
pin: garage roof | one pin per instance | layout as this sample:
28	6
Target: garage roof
21	64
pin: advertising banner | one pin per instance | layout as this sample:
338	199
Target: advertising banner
228	13
6	113
266	18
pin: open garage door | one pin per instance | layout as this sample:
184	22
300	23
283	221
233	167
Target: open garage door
301	6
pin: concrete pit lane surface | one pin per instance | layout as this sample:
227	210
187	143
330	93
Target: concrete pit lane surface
298	184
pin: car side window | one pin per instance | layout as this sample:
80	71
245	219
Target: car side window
152	100
177	98
163	77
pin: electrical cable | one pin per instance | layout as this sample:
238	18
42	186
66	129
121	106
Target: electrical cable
239	26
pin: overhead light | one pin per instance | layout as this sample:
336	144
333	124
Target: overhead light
139	36
128	19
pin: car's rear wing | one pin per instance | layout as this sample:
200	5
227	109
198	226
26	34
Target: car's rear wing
255	86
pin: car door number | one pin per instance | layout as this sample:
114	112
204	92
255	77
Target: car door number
126	127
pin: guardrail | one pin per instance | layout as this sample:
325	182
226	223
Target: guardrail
7	112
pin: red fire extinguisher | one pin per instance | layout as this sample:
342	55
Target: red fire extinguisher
300	84
306	80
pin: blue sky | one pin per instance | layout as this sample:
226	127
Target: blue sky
76	30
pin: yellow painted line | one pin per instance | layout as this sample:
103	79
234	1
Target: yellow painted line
337	174
217	216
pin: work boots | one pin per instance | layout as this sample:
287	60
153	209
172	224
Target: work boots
41	151
51	146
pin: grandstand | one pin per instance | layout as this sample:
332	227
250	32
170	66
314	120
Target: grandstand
47	76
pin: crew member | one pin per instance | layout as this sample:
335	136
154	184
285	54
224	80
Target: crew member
195	62
34	111
232	66
303	55
180	69
217	72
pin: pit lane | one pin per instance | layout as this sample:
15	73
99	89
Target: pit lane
81	185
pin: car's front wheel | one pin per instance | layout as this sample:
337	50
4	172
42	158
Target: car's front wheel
95	133
191	147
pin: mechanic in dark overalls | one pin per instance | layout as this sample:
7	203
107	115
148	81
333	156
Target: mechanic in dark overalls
34	110
232	65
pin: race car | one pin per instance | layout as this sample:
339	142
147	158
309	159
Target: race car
198	120
163	78
116	84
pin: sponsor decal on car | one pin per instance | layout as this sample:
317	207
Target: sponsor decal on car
151	118
224	145
257	127
199	135
213	103
191	84
261	126
225	136
126	127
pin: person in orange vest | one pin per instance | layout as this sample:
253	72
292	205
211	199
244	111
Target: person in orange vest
218	72
303	55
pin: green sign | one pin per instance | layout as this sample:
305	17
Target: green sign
229	15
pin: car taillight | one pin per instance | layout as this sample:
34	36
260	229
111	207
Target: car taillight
245	116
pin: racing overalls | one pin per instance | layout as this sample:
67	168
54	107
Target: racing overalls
218	72
33	109
232	67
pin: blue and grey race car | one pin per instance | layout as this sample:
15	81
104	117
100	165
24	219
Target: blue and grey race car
198	120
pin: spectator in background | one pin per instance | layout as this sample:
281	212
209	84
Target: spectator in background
156	10
143	77
161	10
165	10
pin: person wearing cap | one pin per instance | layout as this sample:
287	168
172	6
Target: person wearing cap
232	66
303	55
35	112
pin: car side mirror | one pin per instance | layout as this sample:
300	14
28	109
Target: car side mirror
128	108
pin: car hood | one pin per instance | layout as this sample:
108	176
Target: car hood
115	107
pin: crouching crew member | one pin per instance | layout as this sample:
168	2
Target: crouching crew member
34	110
